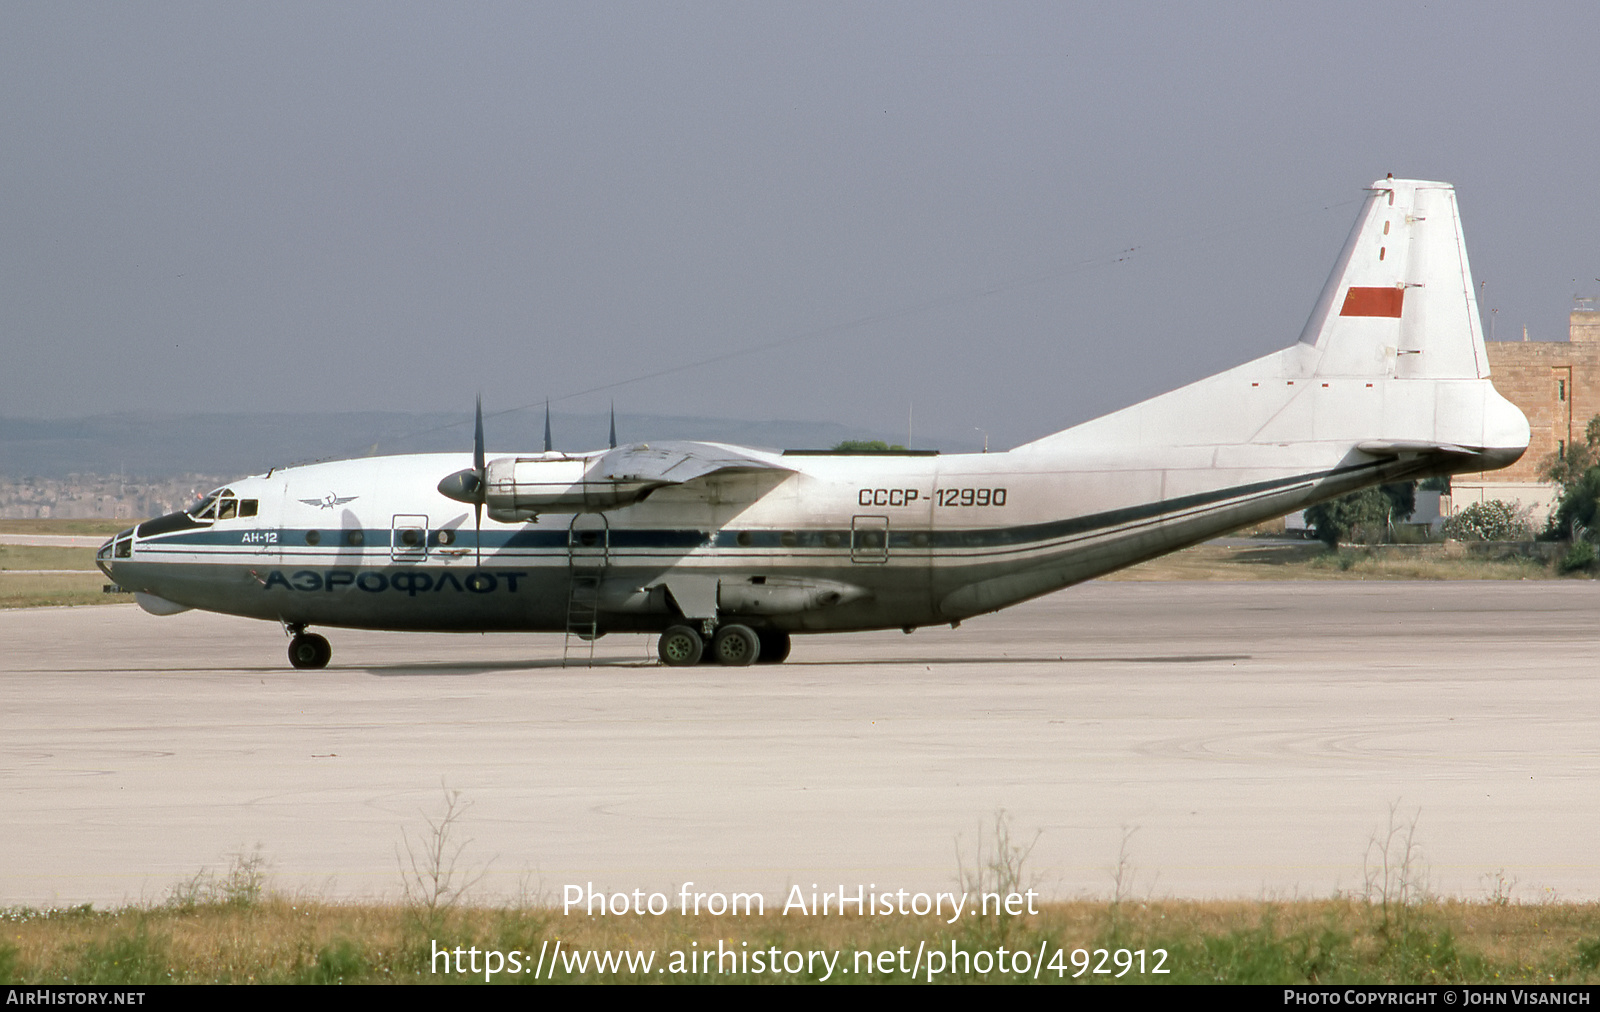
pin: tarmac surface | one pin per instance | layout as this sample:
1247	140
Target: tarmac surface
1222	740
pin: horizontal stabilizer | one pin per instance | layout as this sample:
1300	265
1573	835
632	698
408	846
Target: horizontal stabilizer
1395	447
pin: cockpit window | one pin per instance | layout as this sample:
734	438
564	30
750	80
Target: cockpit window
220	505
205	507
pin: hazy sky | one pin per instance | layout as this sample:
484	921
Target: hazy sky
1012	216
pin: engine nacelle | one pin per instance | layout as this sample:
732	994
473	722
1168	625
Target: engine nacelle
521	488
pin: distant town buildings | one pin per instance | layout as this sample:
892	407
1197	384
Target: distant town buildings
1557	385
97	496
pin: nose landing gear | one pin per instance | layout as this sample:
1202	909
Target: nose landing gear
307	650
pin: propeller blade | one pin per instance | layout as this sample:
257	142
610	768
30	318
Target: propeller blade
613	425
477	441
470	484
548	446
479	470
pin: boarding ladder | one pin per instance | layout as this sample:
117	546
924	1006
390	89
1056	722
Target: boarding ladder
588	551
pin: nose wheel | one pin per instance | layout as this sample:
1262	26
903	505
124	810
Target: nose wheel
308	650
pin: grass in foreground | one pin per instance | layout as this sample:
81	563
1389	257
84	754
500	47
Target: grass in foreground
105	527
46	557
21	586
25	590
283	940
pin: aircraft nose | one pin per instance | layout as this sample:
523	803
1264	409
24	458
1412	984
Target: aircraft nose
119	547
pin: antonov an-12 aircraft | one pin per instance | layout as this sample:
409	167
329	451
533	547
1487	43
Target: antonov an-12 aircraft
726	552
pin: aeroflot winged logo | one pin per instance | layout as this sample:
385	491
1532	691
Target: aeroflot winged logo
330	500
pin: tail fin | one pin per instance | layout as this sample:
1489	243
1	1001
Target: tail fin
1400	300
1394	348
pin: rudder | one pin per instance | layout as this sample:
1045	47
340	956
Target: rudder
1400	300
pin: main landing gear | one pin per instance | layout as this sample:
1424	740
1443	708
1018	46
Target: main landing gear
308	650
733	644
774	646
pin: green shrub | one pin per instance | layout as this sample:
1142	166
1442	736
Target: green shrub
127	958
1589	954
1494	520
1580	556
339	962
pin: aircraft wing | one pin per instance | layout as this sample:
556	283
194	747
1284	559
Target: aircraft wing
675	462
518	489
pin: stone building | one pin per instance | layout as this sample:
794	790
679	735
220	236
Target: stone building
1557	385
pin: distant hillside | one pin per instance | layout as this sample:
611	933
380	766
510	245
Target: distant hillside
159	446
